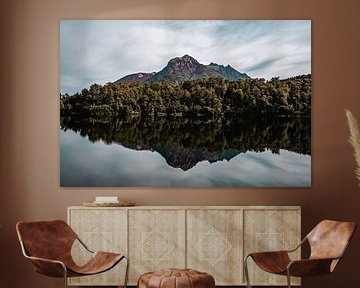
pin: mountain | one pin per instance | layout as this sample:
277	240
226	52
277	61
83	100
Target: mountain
186	68
141	77
228	72
185	158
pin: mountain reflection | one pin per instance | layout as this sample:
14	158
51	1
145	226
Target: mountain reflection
184	142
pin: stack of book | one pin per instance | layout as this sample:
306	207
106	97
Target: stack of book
106	199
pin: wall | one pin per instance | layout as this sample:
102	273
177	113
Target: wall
29	117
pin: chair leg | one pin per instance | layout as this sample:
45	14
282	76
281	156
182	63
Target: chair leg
246	272
288	278
127	271
65	276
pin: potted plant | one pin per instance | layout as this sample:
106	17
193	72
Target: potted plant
354	140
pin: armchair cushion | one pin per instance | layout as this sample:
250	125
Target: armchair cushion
310	267
99	262
272	262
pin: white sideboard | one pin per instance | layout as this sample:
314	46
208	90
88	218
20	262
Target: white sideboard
213	239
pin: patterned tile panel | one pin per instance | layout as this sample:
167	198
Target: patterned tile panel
270	230
100	230
156	240
214	241
155	246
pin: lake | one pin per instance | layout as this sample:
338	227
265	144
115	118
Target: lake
178	152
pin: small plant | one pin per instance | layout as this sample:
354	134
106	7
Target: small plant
354	140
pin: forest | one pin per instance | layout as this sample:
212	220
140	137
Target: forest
207	97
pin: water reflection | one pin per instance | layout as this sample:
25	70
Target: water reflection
183	142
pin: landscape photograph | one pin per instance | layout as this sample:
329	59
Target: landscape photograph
185	103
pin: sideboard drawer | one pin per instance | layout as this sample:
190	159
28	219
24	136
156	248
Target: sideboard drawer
156	240
101	230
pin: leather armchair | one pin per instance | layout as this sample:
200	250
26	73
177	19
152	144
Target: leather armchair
328	242
48	246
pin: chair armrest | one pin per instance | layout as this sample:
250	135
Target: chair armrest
271	261
298	246
83	244
269	252
281	251
309	267
49	267
45	260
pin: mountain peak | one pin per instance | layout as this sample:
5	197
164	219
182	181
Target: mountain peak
184	68
184	59
180	69
187	57
228	72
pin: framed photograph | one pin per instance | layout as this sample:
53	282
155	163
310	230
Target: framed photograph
185	103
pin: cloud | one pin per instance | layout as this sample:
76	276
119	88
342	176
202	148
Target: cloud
103	51
264	64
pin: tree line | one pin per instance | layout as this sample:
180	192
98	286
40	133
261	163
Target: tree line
211	136
205	97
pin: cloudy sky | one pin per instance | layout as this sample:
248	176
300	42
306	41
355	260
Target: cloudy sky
101	51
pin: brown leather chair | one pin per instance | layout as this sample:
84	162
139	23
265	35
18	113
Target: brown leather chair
328	242
48	245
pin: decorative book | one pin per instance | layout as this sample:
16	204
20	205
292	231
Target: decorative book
109	204
106	199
